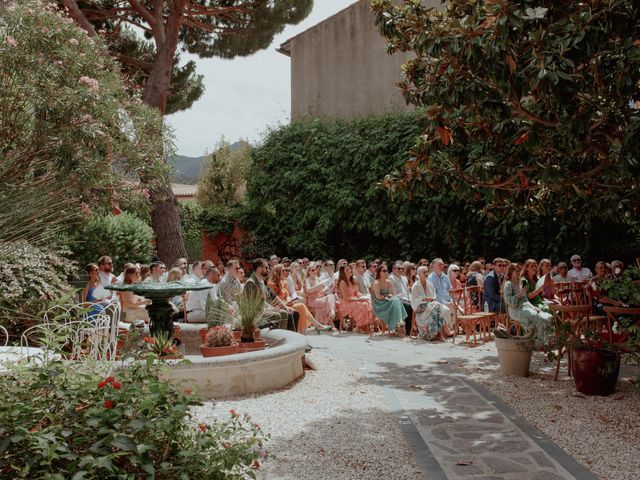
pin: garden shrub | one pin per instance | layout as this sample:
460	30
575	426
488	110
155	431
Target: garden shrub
191	224
65	421
30	277
125	238
314	189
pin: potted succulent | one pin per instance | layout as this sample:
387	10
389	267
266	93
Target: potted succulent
162	345
595	365
514	350
219	341
216	313
250	314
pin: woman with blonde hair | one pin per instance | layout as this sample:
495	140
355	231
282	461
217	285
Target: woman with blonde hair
530	280
546	281
278	283
318	296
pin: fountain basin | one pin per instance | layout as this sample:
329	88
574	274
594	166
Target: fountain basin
248	372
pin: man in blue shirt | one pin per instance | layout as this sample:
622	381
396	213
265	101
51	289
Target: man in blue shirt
442	284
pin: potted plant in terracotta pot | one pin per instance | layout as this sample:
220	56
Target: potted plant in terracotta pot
219	341
595	365
514	350
163	346
216	314
251	306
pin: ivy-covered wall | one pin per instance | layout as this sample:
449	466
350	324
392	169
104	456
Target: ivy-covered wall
313	190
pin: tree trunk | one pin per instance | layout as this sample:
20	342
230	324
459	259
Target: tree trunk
165	216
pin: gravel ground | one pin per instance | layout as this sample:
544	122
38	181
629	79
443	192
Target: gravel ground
331	424
602	433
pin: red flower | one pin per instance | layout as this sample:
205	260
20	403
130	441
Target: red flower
188	390
233	413
202	427
109	404
255	464
106	382
150	340
109	379
102	384
116	385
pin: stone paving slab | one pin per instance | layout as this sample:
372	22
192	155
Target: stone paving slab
458	429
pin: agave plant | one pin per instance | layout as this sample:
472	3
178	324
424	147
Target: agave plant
251	313
217	312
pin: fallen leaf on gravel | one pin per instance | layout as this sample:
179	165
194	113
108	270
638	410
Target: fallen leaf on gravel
558	407
417	387
442	362
578	395
604	418
618	397
464	462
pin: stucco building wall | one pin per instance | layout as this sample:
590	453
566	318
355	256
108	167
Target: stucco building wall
340	68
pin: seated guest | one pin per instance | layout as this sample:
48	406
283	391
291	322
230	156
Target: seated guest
387	306
156	270
578	273
212	277
474	275
144	272
409	274
431	316
328	275
241	276
530	279
230	286
454	276
133	306
617	267
120	278
319	298
278	283
545	280
352	303
491	289
89	291
182	264
360	278
400	287
179	301
370	274
106	277
521	309
197	274
275	308
599	295
424	263
442	285
295	281
562	275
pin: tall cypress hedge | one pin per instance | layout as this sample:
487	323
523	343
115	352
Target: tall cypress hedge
313	190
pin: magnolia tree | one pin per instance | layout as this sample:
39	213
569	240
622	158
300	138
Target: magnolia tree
531	107
69	134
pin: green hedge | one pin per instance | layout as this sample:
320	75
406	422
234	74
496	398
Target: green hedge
313	189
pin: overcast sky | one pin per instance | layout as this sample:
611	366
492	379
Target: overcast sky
243	96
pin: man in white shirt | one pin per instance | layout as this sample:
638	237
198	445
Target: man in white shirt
196	273
156	269
328	275
401	289
105	277
578	273
370	274
197	300
359	278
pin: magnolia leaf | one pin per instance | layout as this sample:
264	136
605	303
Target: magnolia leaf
511	63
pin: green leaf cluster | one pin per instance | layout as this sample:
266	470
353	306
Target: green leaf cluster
69	420
313	190
125	238
530	105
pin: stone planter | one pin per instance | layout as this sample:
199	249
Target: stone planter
514	356
218	351
595	372
257	344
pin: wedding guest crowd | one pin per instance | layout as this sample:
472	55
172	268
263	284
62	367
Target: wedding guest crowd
403	298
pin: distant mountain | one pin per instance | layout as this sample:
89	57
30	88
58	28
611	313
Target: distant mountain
187	169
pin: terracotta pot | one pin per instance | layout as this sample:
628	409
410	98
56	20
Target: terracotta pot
237	334
257	344
595	372
218	351
203	334
514	356
256	333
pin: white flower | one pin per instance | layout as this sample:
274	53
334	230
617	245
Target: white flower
74	42
92	83
535	13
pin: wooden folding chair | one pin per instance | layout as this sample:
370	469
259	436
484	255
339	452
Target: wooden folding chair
577	318
612	316
468	322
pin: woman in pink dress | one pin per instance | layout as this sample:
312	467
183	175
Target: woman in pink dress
352	303
322	303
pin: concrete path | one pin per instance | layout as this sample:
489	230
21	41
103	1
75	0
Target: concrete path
457	428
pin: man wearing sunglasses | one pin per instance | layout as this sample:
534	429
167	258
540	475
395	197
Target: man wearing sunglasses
492	281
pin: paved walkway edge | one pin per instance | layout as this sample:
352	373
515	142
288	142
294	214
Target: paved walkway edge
545	443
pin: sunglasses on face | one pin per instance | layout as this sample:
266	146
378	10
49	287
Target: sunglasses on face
287	269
